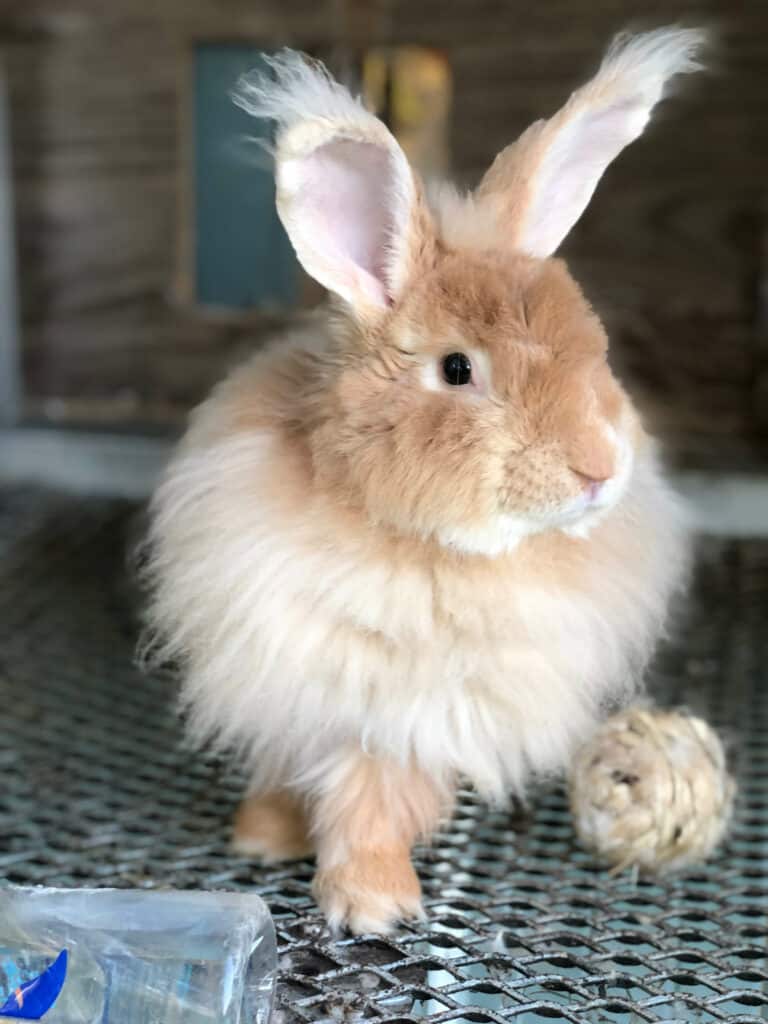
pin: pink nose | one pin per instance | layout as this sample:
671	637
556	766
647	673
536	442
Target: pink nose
590	484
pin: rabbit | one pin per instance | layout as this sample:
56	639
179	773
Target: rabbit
423	540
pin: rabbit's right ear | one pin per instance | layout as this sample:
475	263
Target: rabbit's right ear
538	187
345	191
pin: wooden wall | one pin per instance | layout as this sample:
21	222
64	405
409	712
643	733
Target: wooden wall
673	249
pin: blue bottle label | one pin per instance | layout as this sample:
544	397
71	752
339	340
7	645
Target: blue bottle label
33	999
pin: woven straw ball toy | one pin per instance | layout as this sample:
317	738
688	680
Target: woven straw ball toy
651	790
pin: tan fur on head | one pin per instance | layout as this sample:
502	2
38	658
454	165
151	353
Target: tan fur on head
510	458
375	580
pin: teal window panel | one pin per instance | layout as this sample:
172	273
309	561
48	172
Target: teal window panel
242	256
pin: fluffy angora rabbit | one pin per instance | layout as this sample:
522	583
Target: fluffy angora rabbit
428	539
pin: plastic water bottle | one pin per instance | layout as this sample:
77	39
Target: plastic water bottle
111	956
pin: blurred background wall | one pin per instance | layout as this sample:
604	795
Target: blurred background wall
138	199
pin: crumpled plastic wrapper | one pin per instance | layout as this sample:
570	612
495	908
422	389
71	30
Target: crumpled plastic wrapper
128	956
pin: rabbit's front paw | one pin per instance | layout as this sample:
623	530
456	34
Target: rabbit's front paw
370	892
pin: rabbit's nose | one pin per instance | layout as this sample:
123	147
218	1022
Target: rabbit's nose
587	480
591	455
591	485
593	463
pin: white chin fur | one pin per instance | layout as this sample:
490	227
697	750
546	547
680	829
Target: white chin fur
504	533
500	536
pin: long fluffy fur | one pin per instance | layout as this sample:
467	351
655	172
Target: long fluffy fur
305	635
357	571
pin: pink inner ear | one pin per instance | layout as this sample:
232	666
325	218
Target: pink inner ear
573	166
344	206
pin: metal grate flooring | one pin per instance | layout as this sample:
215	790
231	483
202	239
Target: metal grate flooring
522	925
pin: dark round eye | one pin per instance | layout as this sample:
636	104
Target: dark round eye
457	368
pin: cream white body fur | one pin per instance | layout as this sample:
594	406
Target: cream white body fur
305	638
381	566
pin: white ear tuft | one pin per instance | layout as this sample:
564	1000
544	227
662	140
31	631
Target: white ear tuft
640	66
345	191
296	89
543	182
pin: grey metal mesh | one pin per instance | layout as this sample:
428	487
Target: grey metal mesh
522	925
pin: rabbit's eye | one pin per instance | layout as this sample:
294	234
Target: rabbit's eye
457	369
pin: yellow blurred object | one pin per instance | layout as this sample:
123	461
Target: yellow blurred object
410	86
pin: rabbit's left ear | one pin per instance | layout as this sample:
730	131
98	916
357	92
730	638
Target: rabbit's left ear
346	193
538	187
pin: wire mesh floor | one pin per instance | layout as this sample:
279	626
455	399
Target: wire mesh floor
522	925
